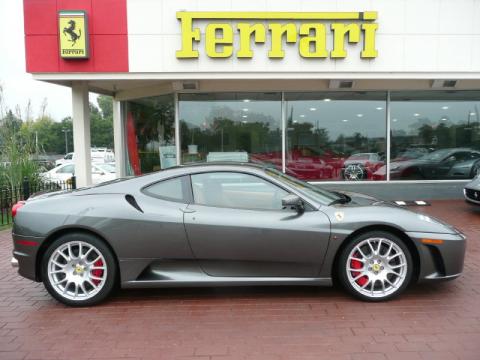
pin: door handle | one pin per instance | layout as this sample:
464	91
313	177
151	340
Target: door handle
187	211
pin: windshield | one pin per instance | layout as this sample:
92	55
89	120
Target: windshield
436	155
322	196
362	156
106	167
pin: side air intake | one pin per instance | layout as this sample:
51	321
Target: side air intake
131	200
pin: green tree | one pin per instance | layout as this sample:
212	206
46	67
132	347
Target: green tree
15	152
105	103
101	127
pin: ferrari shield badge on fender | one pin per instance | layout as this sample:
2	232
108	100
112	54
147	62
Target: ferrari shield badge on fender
339	215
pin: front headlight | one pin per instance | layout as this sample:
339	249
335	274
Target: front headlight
436	221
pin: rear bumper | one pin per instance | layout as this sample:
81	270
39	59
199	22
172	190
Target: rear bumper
25	249
14	262
442	261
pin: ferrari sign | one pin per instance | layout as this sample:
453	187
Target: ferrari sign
309	32
73	34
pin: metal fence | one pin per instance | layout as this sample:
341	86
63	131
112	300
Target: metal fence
10	195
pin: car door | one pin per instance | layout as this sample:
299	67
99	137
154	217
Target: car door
157	227
446	168
237	227
465	166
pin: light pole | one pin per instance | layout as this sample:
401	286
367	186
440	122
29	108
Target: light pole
66	131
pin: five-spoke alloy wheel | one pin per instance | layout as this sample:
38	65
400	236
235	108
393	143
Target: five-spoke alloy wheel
375	266
78	269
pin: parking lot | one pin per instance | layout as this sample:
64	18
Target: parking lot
440	321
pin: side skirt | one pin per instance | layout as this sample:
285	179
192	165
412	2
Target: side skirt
209	281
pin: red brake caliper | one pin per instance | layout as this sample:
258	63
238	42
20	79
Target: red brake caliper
355	264
97	272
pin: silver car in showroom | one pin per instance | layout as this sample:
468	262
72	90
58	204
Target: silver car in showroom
472	191
225	225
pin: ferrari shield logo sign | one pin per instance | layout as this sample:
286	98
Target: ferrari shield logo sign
73	34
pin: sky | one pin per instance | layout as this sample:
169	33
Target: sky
18	86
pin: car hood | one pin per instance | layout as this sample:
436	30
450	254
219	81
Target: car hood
355	161
474	184
364	210
361	199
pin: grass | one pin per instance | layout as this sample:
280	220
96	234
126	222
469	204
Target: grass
5	227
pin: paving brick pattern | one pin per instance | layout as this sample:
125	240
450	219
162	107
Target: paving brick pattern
440	321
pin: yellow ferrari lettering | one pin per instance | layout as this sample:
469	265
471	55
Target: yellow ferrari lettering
307	30
278	31
317	41
189	35
225	41
340	31
246	31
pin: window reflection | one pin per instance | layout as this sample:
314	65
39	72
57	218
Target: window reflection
231	127
335	136
435	135
332	136
150	134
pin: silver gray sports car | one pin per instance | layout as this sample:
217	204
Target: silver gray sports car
226	224
472	191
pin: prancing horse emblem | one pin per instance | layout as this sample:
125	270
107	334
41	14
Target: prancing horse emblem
70	31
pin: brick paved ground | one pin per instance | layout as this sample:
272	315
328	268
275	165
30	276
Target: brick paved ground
429	322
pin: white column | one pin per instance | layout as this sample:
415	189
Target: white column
81	133
119	140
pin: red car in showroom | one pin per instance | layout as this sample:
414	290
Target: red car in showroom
306	163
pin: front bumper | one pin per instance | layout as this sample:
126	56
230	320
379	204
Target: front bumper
440	261
472	195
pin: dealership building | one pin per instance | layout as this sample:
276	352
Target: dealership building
381	96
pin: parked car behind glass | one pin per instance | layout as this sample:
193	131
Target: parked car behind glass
98	155
100	173
444	164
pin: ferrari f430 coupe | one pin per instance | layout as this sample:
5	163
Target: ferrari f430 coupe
225	225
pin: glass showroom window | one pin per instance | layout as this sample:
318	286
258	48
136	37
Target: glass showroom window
150	134
435	135
335	135
231	127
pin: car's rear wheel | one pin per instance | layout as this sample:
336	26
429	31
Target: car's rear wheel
375	266
78	269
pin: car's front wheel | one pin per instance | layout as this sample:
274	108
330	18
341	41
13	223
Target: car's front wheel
375	266
78	269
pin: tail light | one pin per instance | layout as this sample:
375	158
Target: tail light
17	207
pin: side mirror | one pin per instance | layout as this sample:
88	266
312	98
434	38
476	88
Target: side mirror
294	202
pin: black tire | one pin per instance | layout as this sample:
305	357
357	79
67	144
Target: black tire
110	265
345	277
475	170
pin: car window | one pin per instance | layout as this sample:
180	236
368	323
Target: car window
236	190
172	189
68	169
436	155
68	157
461	156
106	168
